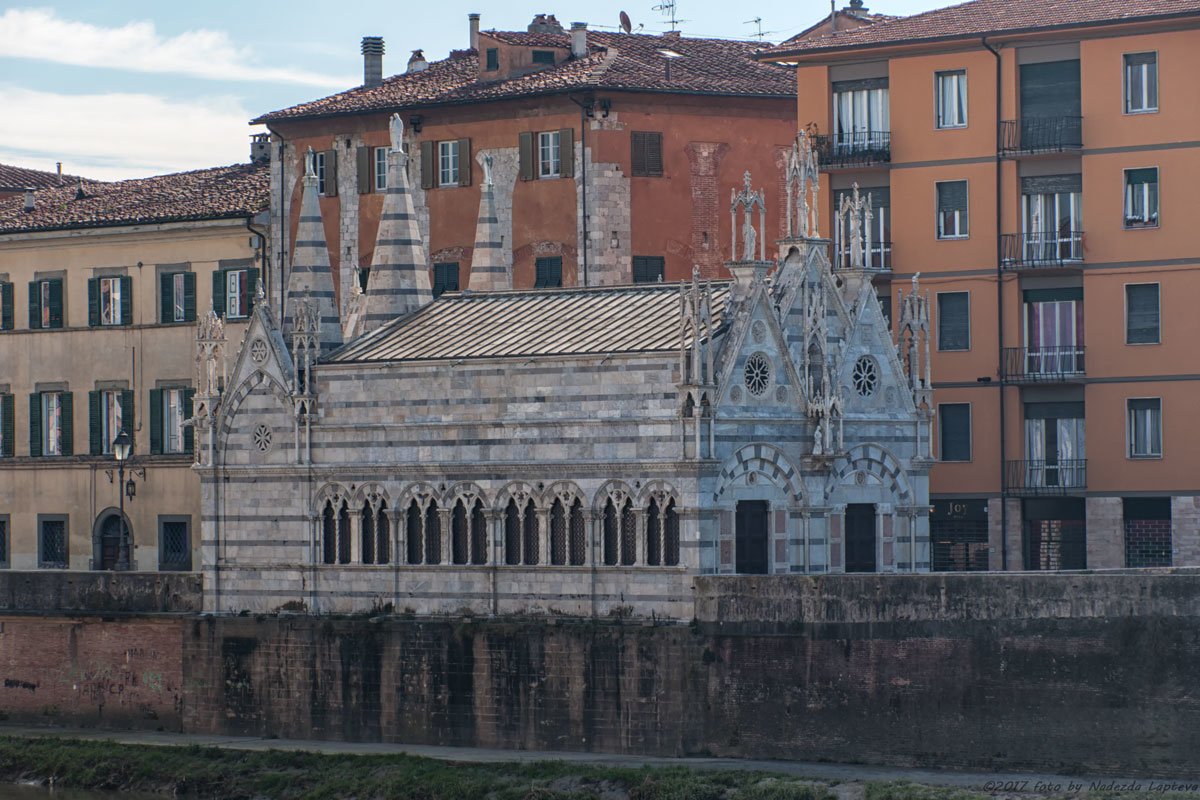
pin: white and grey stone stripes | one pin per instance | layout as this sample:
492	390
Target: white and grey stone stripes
488	270
311	275
399	279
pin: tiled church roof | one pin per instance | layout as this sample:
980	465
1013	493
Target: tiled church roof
14	178
538	322
217	193
987	17
617	61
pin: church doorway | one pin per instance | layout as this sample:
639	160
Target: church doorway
751	537
860	537
109	542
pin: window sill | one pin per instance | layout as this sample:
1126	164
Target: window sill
1140	226
954	350
957	238
1139	112
950	127
1143	344
1156	457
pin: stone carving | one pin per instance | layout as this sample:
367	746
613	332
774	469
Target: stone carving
803	180
396	131
759	331
753	244
210	354
258	351
487	169
854	218
309	164
262	438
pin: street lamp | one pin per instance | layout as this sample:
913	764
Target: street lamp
122	448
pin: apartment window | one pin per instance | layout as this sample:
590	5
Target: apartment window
109	301
954	433
169	407
1141	82
952	99
646	155
954	320
7	427
381	168
1055	445
52	541
543	56
46	303
548	272
233	291
445	277
448	163
177	297
1054	331
109	410
1141	197
549	154
1145	428
4	554
6	306
493	59
175	543
325	165
1052	218
1142	323
51	429
952	209
860	114
648	269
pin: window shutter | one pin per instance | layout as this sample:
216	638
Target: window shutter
955	431
189	296
95	425
126	300
464	162
637	153
56	304
127	421
366	174
952	196
331	188
35	306
218	293
1141	318
189	433
156	421
251	287
68	424
525	152
93	302
1145	175
6	306
953	321
654	159
35	424
166	298
428	172
566	153
7	427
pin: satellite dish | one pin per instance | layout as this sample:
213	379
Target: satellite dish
626	24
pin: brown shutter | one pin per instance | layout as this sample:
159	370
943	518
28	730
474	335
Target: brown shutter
566	153
654	159
366	177
464	162
525	149
428	176
637	153
331	173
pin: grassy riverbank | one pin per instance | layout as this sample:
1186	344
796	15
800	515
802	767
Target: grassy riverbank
211	772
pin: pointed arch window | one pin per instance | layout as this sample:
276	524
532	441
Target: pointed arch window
578	533
531	531
612	533
512	533
478	534
343	533
662	532
328	534
368	534
383	535
433	534
414	533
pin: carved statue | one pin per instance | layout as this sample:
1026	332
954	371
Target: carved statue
818	442
749	239
487	169
309	169
747	200
396	130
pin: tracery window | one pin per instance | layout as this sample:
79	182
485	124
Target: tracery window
578	528
328	534
757	374
521	533
344	534
433	534
469	533
865	376
558	533
662	532
412	526
375	534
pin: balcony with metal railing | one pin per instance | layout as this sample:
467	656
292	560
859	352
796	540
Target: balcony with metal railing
1046	477
853	149
1042	364
1041	250
1039	135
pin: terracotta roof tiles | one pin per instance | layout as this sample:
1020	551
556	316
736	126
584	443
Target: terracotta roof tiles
21	178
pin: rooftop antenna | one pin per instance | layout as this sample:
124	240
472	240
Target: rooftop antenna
668	8
756	21
626	23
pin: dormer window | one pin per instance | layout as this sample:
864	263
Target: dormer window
493	59
543	57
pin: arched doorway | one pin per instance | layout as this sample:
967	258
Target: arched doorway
106	540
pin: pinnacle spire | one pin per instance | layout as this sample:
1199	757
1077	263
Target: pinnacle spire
311	275
488	272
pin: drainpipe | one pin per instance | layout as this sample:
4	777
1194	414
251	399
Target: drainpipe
1000	319
585	109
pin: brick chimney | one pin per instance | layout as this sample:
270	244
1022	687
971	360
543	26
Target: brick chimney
579	47
372	51
473	20
29	202
417	62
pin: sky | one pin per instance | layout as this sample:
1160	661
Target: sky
130	88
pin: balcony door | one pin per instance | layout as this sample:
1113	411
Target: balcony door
1055	447
860	114
1054	331
1052	218
1051	105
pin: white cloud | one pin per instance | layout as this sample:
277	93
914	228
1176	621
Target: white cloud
116	136
41	34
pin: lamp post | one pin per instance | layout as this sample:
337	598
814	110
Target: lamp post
122	448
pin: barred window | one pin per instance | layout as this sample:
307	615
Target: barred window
532	532
174	543
460	534
52	543
413	533
512	533
558	533
433	534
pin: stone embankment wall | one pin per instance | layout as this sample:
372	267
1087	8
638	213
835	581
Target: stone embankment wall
1092	673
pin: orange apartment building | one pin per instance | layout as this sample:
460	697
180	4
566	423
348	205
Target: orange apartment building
612	154
1036	162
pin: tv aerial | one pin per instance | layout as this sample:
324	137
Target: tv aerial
626	23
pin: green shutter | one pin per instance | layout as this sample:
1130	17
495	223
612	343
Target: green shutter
166	297
331	187
566	153
35	424
366	175
68	424
189	297
156	421
251	288
428	169
35	306
95	425
189	433
93	302
127	420
7	428
464	162
6	306
218	280
126	300
526	156
56	303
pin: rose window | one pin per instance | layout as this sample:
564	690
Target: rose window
866	376
757	374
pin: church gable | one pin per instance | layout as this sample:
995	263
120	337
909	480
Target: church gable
758	374
872	378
